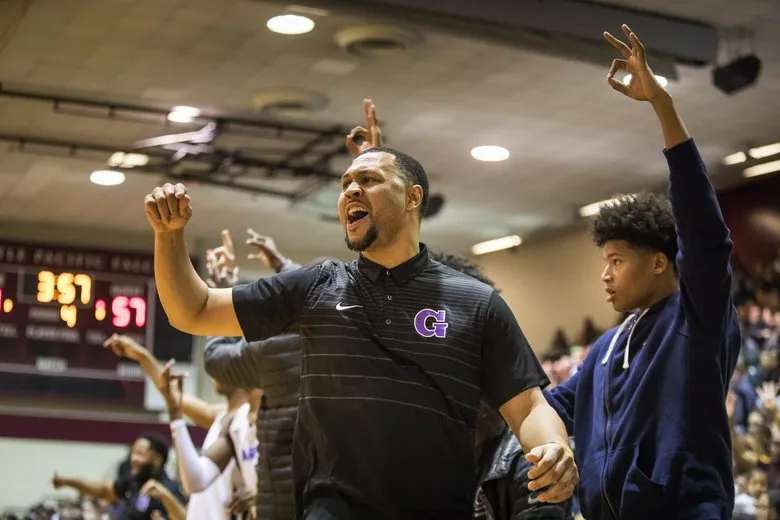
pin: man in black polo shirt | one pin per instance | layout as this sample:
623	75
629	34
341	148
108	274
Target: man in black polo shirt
145	488
397	352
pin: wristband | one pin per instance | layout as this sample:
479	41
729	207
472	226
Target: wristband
176	424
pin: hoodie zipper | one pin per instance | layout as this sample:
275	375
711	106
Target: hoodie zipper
612	512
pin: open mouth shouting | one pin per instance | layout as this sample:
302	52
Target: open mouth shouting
356	216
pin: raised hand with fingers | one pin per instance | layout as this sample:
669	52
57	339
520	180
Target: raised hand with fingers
220	263
265	250
168	208
124	346
643	85
554	475
360	138
171	388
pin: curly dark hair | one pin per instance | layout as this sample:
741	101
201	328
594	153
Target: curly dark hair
644	220
462	265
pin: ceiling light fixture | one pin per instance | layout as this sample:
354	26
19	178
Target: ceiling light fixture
490	153
498	244
182	114
128	160
107	177
764	151
593	209
661	80
291	24
762	169
735	158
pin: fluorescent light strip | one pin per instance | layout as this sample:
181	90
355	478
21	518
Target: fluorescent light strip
764	151
762	169
497	244
735	158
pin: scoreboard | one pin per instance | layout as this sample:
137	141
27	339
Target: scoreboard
58	304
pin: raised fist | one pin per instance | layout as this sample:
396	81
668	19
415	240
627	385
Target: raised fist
168	208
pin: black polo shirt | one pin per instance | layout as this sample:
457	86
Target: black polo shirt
140	507
394	364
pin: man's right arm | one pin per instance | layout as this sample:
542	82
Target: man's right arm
257	310
93	489
191	306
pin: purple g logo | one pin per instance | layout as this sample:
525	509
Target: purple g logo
436	327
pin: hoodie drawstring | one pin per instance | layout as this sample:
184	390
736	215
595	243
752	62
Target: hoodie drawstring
628	342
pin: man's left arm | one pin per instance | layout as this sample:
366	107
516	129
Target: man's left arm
704	260
512	379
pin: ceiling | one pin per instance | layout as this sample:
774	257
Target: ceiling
573	140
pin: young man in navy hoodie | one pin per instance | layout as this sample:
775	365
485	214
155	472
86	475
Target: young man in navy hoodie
647	407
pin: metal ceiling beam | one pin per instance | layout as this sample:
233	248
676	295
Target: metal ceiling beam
225	122
159	164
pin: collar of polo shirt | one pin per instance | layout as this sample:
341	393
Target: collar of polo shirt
401	273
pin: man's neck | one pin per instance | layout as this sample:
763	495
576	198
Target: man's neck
662	293
393	254
236	400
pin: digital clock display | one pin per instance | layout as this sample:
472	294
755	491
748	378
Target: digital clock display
57	307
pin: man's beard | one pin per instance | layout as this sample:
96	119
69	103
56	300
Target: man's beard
145	473
365	242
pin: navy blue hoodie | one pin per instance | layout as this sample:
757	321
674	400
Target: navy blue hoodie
647	407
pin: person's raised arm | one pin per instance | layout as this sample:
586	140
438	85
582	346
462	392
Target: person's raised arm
512	379
102	490
197	472
704	260
189	303
201	412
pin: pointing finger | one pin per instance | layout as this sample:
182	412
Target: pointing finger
227	242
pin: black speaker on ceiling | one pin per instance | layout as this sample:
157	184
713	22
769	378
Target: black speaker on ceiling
737	75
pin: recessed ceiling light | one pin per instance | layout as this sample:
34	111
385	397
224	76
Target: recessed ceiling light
661	80
107	177
182	114
490	153
128	160
734	158
497	244
290	24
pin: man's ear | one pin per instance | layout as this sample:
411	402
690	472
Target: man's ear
414	196
660	263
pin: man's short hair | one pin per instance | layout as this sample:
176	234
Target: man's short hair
644	220
463	265
410	169
158	444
